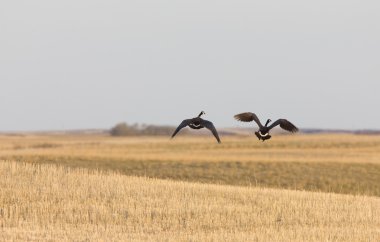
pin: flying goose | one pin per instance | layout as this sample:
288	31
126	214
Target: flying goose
198	123
263	133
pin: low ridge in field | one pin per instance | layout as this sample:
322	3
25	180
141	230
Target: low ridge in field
48	202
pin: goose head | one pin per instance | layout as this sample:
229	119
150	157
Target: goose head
268	121
202	113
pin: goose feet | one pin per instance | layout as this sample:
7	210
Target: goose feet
263	138
258	135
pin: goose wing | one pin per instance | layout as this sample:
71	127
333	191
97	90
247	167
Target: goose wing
210	126
285	124
181	126
248	117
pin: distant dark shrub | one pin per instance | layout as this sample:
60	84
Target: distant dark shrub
122	129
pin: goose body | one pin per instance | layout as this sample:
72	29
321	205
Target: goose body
263	132
198	123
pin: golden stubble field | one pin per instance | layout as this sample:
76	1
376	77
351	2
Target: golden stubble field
55	203
347	164
87	187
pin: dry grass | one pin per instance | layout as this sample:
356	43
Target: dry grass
46	202
330	163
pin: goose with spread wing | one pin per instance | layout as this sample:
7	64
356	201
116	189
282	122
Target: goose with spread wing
198	123
263	133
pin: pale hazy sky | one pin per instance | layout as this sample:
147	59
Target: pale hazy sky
90	64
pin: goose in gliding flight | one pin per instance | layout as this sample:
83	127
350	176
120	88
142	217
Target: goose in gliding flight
263	133
198	123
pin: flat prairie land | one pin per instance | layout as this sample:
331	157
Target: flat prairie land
57	203
348	164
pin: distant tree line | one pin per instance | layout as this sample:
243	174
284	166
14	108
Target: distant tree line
124	129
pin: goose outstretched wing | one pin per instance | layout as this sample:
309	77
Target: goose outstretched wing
285	124
248	117
210	126
181	126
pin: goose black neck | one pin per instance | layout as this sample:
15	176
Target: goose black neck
266	124
200	114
